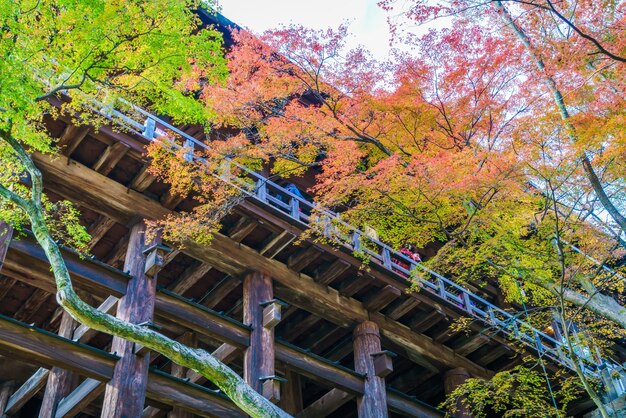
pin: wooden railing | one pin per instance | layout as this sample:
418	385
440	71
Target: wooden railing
329	224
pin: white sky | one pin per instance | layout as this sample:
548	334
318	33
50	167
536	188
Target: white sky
367	22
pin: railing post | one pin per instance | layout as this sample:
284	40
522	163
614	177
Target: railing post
356	240
189	145
468	303
441	288
261	190
387	257
149	128
295	208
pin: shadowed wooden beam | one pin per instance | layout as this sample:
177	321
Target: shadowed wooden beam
178	371
80	398
25	392
6	234
330	273
303	258
220	291
382	298
277	244
470	344
32	305
125	392
242	228
189	278
291	397
5	393
71	138
109	158
452	380
326	405
99	229
402	308
32	345
60	381
142	180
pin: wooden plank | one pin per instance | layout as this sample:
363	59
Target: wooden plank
259	356
143	179
25	392
383	298
80	398
23	342
242	229
7	285
189	278
181	372
402	308
373	403
469	345
303	258
5	393
60	381
327	404
125	393
336	269
220	291
71	138
32	305
277	244
109	158
99	229
291	397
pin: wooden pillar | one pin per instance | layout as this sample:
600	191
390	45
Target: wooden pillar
125	393
5	393
259	356
453	379
291	396
6	233
366	340
181	372
60	381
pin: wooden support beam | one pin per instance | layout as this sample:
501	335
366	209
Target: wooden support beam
71	138
60	381
382	298
125	393
25	392
178	371
453	379
242	228
373	403
142	180
189	278
327	404
291	398
259	356
336	269
402	308
80	398
470	344
277	244
110	157
32	305
220	291
303	258
5	393
99	229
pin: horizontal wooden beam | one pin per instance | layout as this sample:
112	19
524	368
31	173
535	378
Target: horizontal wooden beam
30	344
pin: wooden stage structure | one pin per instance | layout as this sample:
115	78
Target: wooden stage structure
303	321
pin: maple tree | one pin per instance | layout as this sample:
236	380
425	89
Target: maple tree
493	135
95	53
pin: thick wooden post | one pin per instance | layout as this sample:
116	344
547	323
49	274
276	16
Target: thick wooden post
60	381
373	403
453	379
291	396
125	393
259	356
179	371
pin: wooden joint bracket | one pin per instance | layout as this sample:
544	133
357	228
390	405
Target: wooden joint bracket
383	362
272	312
155	258
271	387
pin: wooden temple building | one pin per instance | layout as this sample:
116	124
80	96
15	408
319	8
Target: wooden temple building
302	320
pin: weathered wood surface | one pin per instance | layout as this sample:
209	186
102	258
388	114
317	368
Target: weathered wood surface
327	404
373	403
25	392
453	379
6	234
6	389
23	342
104	195
125	392
258	359
181	372
80	398
25	254
60	382
291	398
